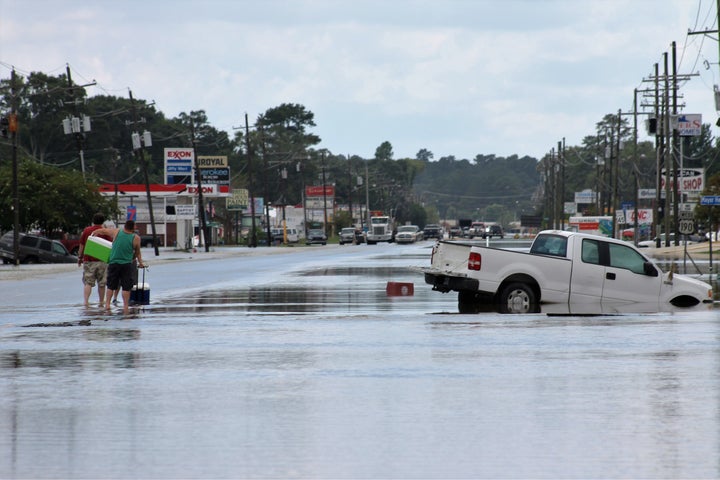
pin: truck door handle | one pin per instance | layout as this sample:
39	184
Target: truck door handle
610	276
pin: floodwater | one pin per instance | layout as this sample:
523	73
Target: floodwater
300	365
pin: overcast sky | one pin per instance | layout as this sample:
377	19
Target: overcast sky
456	77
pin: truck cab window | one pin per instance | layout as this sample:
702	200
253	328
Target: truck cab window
625	257
590	251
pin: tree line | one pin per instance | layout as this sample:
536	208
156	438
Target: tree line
277	156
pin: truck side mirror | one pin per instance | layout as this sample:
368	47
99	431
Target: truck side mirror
650	269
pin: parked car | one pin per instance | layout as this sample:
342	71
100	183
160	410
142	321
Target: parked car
279	236
34	249
653	243
493	231
433	230
408	234
347	235
316	236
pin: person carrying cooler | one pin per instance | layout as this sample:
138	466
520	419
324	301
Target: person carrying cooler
125	249
94	270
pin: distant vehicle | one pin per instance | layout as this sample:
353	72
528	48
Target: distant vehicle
34	249
381	230
316	236
278	236
493	231
653	243
456	232
477	229
408	234
348	235
433	230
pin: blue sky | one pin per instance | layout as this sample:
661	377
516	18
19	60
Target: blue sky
456	77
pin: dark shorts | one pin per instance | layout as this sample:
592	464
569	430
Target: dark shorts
120	274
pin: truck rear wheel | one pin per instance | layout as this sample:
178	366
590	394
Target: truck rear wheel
518	298
468	302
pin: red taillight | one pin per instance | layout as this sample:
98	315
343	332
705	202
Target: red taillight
474	261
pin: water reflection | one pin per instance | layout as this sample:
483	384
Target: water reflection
53	361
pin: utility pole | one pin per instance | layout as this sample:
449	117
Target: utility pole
561	190
616	175
658	157
350	190
138	148
367	198
674	148
12	129
667	151
205	238
636	225
76	125
253	233
325	225
561	157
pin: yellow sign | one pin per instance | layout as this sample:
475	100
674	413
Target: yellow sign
212	162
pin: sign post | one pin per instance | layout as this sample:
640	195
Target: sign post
711	200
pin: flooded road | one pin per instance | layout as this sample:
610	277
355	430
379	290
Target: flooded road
299	365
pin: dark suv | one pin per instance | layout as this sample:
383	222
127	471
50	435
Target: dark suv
494	231
433	230
34	249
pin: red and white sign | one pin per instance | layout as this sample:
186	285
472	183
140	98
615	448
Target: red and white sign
690	180
206	190
645	216
317	191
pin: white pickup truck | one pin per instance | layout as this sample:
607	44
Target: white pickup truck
561	267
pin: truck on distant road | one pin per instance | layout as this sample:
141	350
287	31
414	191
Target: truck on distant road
381	230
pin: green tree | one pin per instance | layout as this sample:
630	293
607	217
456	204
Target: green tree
51	199
384	151
424	155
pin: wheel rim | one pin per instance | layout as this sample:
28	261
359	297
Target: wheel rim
518	301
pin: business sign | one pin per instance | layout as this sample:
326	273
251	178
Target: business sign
317	191
216	175
689	125
586	196
205	161
647	193
238	200
645	216
192	190
179	165
692	180
185	212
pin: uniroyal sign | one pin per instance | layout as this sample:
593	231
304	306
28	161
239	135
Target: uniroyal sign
690	179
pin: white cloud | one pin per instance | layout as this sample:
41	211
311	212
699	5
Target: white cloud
457	77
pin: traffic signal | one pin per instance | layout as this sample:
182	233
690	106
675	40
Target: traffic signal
4	126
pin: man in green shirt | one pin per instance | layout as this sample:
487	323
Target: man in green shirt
120	273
